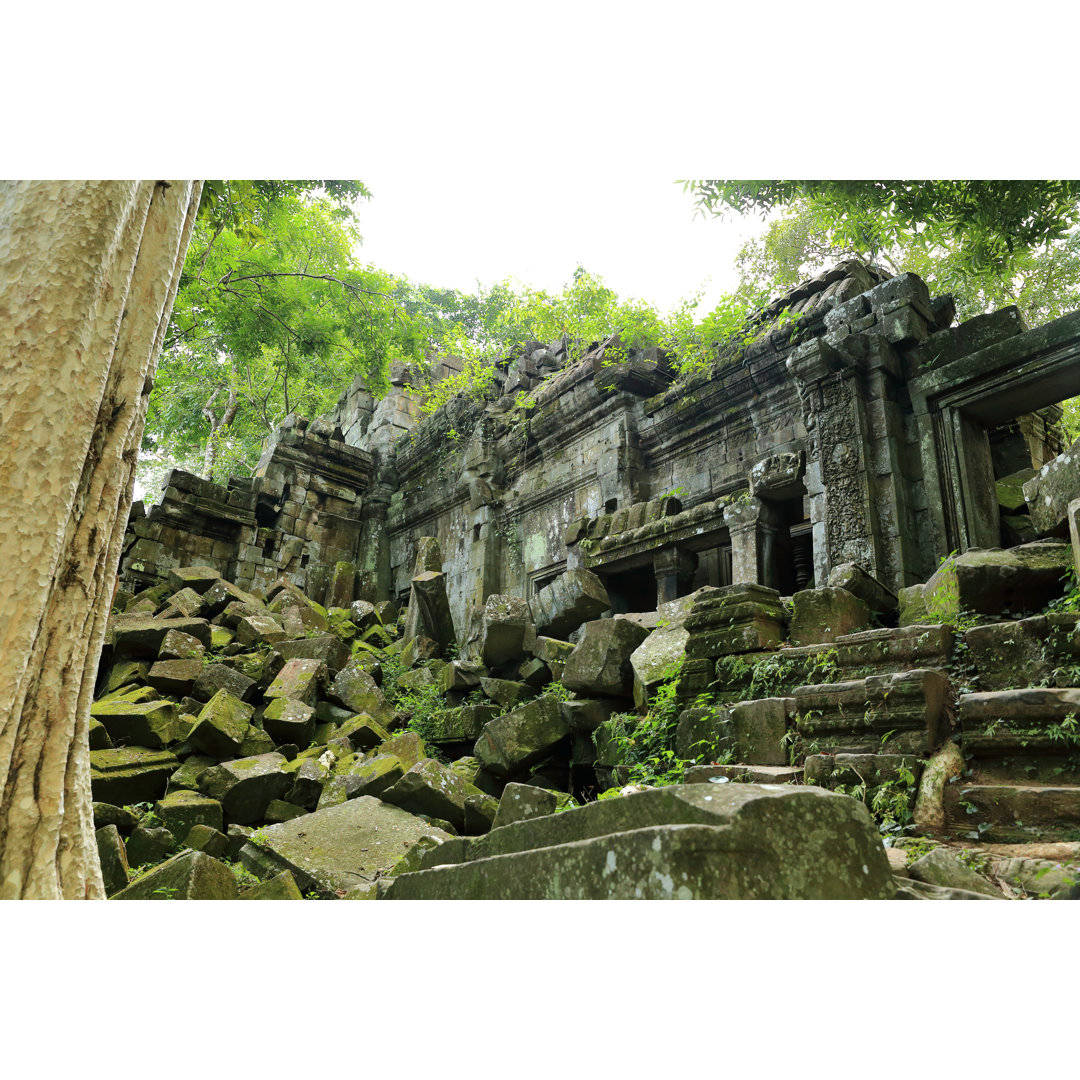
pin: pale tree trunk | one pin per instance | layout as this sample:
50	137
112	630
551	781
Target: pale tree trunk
218	426
88	274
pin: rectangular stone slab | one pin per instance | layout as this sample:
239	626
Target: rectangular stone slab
339	848
738	841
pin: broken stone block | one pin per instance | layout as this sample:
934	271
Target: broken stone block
587	714
106	814
534	673
522	737
735	619
820	615
99	736
373	775
280	887
363	615
753	730
113	858
1049	492
480	811
279	810
363	732
433	790
387	612
657	659
460	675
152	724
575	597
333	850
1016	581
221	726
208	840
355	689
506	693
420	650
600	663
181	810
183	604
696	841
299	680
125	672
222	593
308	783
501	630
288	721
857	581
520	802
191	875
130	775
407	747
218	677
246	787
186	778
462	724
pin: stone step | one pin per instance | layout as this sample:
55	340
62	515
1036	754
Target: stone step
1032	721
903	713
1003	813
884	651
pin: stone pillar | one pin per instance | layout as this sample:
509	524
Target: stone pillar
837	474
742	522
674	569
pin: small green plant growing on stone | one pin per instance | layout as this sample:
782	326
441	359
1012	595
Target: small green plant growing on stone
558	692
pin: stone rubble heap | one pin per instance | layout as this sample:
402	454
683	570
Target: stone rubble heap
258	745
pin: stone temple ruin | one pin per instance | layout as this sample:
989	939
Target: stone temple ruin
776	523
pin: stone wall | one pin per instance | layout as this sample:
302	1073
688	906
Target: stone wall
821	441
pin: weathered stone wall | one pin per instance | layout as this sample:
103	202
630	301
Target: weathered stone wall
820	442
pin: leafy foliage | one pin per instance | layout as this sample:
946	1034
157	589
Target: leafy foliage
985	221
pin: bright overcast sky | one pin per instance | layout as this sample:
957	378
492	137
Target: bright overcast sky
639	233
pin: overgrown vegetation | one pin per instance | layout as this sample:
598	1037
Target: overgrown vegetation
646	745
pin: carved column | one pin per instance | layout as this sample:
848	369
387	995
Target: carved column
837	474
742	522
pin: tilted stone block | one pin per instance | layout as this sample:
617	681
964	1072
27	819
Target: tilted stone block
191	875
433	790
573	598
221	726
299	680
521	738
600	663
331	851
825	614
246	787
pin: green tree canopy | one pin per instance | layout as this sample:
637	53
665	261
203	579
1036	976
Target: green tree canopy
274	314
986	223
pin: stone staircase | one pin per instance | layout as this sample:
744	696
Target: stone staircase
896	696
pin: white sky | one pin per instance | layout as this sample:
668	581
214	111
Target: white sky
640	235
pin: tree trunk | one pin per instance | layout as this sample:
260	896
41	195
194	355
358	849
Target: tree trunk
88	274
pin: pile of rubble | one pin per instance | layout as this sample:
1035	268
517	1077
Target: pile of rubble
258	745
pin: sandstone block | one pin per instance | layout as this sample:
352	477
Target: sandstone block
522	737
600	663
